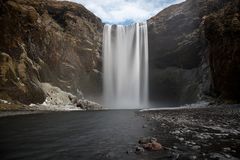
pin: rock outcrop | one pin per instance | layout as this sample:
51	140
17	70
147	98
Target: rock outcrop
150	143
222	30
48	41
59	100
176	52
194	52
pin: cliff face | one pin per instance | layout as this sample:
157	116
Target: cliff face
222	30
48	41
176	52
194	51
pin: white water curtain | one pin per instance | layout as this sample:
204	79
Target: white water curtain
125	66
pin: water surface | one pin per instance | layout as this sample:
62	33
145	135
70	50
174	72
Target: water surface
71	135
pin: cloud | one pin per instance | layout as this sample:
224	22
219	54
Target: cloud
125	11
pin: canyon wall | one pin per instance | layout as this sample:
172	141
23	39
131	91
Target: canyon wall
194	53
222	30
48	41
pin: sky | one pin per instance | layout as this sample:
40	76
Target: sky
125	11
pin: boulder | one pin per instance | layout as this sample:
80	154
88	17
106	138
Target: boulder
139	150
88	105
153	146
150	143
144	140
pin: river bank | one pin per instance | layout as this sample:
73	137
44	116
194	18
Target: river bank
210	132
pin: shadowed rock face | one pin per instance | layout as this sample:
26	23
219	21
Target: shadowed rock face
176	51
193	49
48	41
222	30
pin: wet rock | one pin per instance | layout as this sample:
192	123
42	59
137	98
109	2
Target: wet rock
150	143
88	105
80	104
176	132
227	155
175	147
153	146
196	147
193	157
73	99
56	96
144	140
227	149
217	156
139	150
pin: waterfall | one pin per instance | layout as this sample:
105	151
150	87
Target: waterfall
125	66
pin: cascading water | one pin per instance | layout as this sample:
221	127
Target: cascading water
125	50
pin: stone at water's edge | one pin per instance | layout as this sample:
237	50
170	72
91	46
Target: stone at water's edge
199	132
150	143
139	150
55	96
153	146
88	105
58	100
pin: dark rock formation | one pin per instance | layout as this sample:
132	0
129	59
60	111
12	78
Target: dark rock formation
48	41
175	49
194	51
222	30
150	143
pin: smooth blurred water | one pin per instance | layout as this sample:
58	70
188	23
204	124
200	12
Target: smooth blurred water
125	50
71	135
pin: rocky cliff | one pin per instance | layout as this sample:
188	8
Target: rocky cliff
48	41
194	49
176	52
222	30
